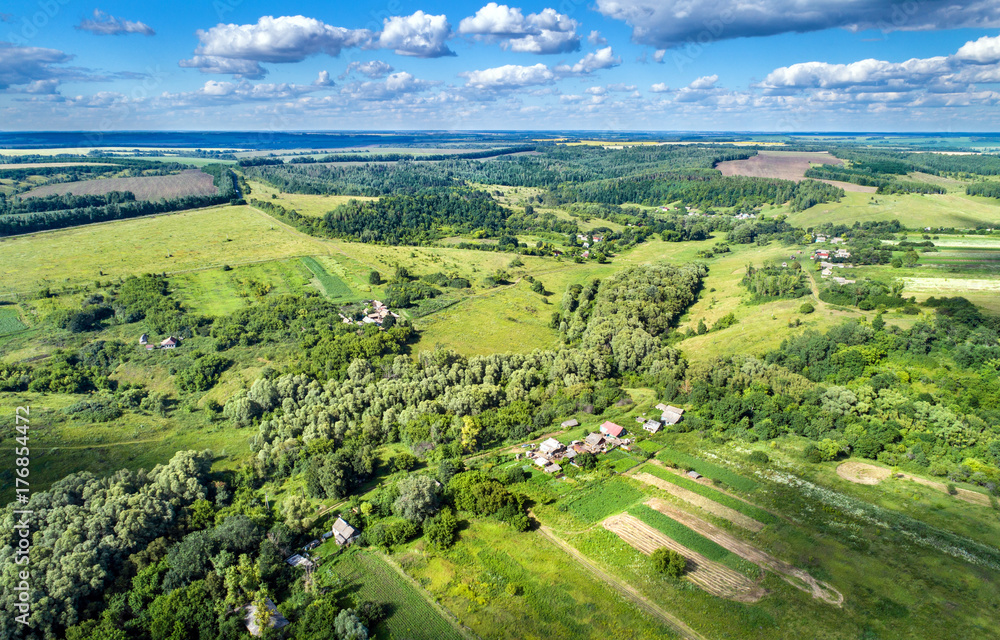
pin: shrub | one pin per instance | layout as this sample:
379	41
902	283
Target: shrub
952	490
669	562
812	454
806	308
759	457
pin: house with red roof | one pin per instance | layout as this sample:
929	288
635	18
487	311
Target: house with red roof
611	429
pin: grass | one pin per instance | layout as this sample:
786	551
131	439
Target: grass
603	499
748	510
913	211
314	206
693	540
180	242
332	286
10	321
708	469
556	597
369	577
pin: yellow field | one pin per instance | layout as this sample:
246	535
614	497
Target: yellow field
308	205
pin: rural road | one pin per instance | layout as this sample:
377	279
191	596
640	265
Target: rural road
627	591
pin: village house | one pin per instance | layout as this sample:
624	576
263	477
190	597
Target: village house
344	533
611	429
551	447
671	414
276	620
169	343
572	422
594	443
299	561
651	425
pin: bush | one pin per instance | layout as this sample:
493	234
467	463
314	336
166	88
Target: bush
759	457
806	308
812	454
952	490
669	562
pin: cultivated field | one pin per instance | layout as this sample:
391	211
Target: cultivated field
38	165
707	504
715	578
786	165
192	182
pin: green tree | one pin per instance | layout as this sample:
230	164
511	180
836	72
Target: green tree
442	529
348	626
297	512
418	498
375	278
669	562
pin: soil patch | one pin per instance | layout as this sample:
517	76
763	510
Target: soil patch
707	504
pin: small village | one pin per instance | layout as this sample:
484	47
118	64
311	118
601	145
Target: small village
375	313
830	259
608	437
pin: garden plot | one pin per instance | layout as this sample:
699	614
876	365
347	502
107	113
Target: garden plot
715	578
707	504
792	575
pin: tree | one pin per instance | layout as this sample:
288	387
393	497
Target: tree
404	461
669	562
418	498
910	259
375	278
702	329
348	626
441	530
806	308
878	323
297	512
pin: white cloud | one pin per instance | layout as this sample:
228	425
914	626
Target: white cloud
670	23
323	80
704	82
509	76
601	59
986	50
596	39
421	35
216	64
660	87
913	74
104	24
546	32
393	87
281	39
373	69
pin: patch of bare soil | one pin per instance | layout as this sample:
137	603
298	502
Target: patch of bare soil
864	473
792	575
784	165
716	579
707	504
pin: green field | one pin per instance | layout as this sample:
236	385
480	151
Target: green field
172	243
913	211
602	500
708	469
332	286
367	576
10	321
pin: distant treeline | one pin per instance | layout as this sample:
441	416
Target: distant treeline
881	174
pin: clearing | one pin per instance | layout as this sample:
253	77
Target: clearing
192	182
791	574
713	577
864	473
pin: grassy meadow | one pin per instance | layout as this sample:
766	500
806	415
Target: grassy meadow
913	211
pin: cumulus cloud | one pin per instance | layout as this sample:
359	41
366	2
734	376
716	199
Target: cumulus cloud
596	39
912	74
421	35
546	32
281	39
986	50
660	87
601	59
323	80
217	64
103	24
26	65
704	82
509	76
393	87
670	23
373	69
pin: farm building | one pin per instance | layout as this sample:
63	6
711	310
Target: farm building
553	468
661	407
551	446
299	561
671	415
593	442
344	533
169	343
144	339
611	429
651	426
541	462
570	423
694	475
275	620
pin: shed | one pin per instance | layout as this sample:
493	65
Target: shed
612	429
669	417
541	462
594	440
693	474
276	620
344	533
550	446
661	407
572	422
651	426
299	561
144	339
553	468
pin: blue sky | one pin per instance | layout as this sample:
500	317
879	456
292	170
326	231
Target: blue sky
781	65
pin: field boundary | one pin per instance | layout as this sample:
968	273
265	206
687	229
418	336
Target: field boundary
625	590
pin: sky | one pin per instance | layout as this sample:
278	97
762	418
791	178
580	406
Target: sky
672	65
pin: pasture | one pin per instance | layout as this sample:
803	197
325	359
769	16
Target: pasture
172	243
912	210
192	182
